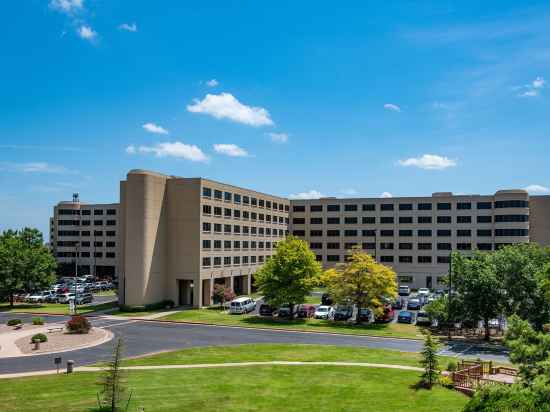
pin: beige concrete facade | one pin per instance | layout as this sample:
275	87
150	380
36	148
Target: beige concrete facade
415	235
87	235
182	235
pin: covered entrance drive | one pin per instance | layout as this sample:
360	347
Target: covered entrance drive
185	292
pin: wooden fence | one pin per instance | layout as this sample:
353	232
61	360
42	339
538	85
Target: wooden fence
471	375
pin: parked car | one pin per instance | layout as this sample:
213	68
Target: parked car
284	311
423	291
404	290
65	297
423	319
39	297
414	304
326	300
405	317
306	311
397	304
244	304
83	298
387	315
266	310
323	312
343	313
52	297
365	315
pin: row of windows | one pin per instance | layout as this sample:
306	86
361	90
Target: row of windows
85	222
370	220
61	233
400	246
409	233
65	243
236	244
244	214
110	255
409	206
246	230
245	200
232	260
87	212
389	259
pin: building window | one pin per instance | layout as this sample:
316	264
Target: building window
350	208
443	259
351	220
315	245
405	206
386	220
297	208
111	212
227	196
386	233
386	259
207	209
217	261
443	232
110	233
405	233
316	233
424	206
484	219
299	221
332	245
109	244
371	207
333	233
405	219
350	232
500	204
333	220
368	245
464	232
484	205
236	260
86	212
316	208
464	219
485	246
386	207
110	255
207	192
227	260
424	246
206	226
333	258
333	208
511	218
405	246
464	246
350	245
316	220
227	245
111	222
253	201
261	202
463	205
424	219
206	244
246	200
98	222
368	233
237	198
206	261
443	206
484	232
405	279
405	259
98	233
443	246
98	212
424	232
98	254
511	232
218	194
386	246
444	219
300	233
424	259
368	220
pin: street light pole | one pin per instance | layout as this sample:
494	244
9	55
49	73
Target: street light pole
450	294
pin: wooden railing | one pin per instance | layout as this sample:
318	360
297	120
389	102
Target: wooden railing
472	374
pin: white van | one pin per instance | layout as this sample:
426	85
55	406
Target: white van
244	304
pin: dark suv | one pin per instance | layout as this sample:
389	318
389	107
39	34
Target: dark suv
343	313
266	310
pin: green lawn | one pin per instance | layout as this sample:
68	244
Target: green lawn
111	292
265	388
54	308
279	352
215	316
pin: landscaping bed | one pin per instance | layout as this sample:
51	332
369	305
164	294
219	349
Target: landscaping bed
61	340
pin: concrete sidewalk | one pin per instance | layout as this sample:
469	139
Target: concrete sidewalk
219	365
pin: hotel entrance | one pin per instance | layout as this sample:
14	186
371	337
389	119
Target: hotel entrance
185	288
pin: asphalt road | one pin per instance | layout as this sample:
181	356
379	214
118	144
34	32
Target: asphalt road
142	337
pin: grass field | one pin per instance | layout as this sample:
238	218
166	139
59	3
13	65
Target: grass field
216	316
54	308
264	388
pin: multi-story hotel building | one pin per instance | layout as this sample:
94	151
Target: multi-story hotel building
86	235
180	236
415	235
175	238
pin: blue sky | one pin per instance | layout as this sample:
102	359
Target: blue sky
291	98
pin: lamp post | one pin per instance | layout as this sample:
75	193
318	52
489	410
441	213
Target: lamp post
449	313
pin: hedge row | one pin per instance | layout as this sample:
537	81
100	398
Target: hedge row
163	304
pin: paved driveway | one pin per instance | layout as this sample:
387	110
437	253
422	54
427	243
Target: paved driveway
143	337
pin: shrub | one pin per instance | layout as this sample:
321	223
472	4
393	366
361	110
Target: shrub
78	324
14	322
39	337
446	382
452	366
37	321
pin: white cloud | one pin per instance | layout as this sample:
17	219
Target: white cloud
128	27
212	83
34	167
226	106
529	93
67	6
539	83
386	195
154	128
532	89
86	33
278	137
230	150
538	189
392	107
172	149
312	194
429	162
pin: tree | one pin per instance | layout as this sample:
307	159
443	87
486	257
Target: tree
222	294
113	381
25	263
480	288
290	275
361	281
430	361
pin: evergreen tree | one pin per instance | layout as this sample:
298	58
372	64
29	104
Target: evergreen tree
430	361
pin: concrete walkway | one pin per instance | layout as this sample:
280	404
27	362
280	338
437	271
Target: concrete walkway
219	365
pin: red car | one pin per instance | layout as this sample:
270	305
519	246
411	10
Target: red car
387	316
306	311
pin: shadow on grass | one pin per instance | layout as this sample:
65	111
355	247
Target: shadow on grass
22	306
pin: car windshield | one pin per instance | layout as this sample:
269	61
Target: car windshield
405	314
321	309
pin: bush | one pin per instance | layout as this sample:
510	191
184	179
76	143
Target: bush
78	324
14	322
39	337
37	321
446	382
452	366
